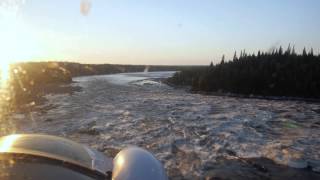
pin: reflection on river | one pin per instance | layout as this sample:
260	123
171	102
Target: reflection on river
189	133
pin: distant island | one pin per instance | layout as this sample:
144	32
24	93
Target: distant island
276	73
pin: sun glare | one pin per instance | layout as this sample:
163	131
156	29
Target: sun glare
118	164
7	142
18	40
5	73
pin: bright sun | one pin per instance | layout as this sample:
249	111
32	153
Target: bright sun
5	71
18	41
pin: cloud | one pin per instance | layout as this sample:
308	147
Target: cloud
85	7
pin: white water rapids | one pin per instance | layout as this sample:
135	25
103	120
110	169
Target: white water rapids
185	131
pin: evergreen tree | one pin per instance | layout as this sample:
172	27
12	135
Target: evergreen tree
293	51
244	54
235	58
288	51
311	52
304	52
280	51
222	60
267	74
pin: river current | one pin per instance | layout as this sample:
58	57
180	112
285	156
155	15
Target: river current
187	132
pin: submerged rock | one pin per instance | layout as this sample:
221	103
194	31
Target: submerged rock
91	128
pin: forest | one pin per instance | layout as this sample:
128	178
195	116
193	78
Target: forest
276	73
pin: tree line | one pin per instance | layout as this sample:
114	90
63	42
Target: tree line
276	73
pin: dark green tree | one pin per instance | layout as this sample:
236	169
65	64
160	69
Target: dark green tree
222	59
304	52
268	74
235	58
280	51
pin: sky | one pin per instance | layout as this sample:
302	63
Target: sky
163	32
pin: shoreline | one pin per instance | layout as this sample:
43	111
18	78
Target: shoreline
275	98
38	96
235	95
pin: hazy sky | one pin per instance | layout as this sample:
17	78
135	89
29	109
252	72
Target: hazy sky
154	31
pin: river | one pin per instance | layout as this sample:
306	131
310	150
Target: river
190	133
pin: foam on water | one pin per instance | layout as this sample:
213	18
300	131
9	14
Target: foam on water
185	131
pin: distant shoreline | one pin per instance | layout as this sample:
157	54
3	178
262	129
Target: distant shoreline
228	94
280	98
31	81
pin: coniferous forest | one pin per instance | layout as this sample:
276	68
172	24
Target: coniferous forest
276	73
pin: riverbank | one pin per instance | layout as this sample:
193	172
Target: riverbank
189	89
